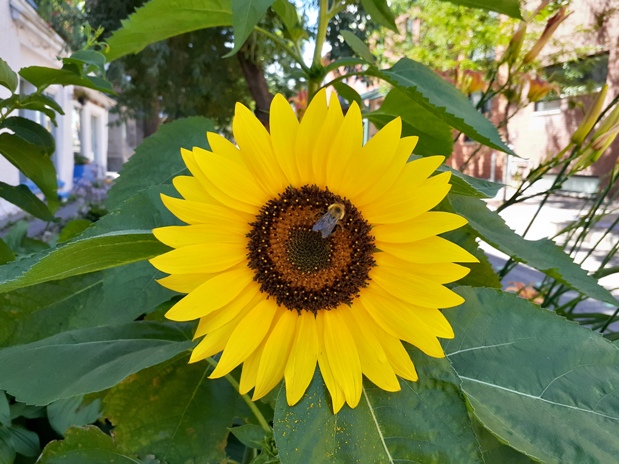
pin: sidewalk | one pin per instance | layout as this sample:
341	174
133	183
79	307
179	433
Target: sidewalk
558	213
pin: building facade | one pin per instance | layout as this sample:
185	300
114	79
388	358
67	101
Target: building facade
27	40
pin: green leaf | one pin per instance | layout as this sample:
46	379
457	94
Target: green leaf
85	445
347	92
42	78
545	386
435	136
442	99
493	450
23	197
156	21
26	442
188	421
73	228
358	46
508	7
31	132
158	159
7	451
121	237
114	296
251	435
34	163
70	412
5	410
426	421
86	360
287	12
470	186
6	254
245	15
544	255
380	12
343	62
8	77
88	57
41	103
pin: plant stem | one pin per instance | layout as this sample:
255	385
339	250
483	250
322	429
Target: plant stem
252	406
321	35
283	45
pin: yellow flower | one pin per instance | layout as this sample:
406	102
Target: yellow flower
305	246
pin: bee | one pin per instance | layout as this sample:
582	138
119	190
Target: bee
326	224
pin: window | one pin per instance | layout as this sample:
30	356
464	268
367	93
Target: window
548	105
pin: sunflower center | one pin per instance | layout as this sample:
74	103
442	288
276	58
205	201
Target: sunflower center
309	254
307	250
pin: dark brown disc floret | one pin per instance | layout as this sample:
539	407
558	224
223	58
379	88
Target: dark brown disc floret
296	265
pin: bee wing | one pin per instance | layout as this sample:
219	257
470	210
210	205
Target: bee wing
325	225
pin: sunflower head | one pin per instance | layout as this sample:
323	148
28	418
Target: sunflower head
306	246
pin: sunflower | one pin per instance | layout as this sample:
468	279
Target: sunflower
305	246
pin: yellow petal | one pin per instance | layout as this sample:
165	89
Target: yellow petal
302	360
336	392
428	250
190	161
214	234
376	156
194	212
201	157
343	356
184	283
284	128
250	370
423	226
211	295
276	353
402	322
396	353
311	123
232	178
386	176
245	300
214	342
223	146
257	151
247	335
345	148
201	258
415	289
374	362
324	139
442	273
191	189
394	208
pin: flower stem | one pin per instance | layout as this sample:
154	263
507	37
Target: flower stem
252	406
321	35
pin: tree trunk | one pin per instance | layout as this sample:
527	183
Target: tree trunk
254	75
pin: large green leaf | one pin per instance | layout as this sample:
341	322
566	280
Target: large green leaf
189	420
160	19
121	237
544	255
158	159
23	197
425	422
114	296
86	360
71	412
7	450
547	387
8	77
33	162
442	99
358	46
508	7
435	136
493	450
245	16
470	186
85	445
